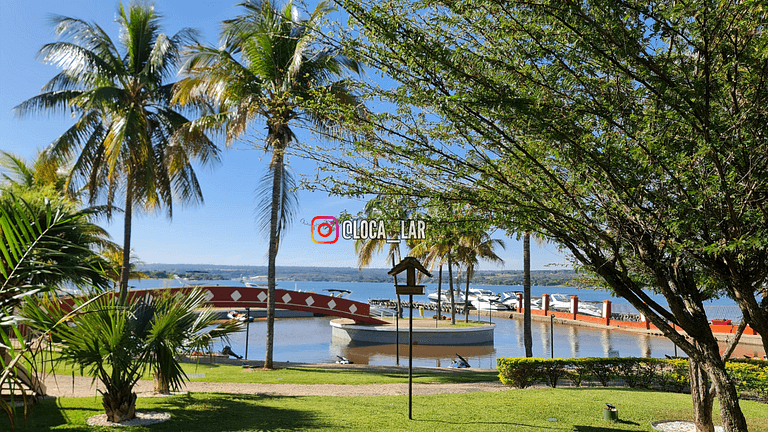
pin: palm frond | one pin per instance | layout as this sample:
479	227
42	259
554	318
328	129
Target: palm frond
288	201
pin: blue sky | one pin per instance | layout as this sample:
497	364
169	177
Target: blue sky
223	230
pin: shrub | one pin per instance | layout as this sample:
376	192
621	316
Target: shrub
750	376
518	372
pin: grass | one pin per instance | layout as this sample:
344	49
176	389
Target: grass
218	372
523	410
309	375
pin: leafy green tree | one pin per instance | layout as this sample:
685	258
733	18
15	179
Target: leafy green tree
273	68
629	132
128	139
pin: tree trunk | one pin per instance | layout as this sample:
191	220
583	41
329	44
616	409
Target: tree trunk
119	405
730	411
466	299
161	384
125	271
277	183
702	397
450	287
439	298
527	338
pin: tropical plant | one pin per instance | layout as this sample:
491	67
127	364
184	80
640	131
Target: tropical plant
272	67
180	324
388	210
127	137
41	172
473	247
437	250
42	244
118	344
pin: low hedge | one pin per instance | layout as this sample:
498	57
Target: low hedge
749	375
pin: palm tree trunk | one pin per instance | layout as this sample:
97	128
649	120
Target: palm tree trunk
119	404
466	299
125	271
527	338
277	180
439	299
161	383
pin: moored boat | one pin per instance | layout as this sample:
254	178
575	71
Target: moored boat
239	316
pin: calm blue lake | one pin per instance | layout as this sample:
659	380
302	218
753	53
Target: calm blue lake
309	339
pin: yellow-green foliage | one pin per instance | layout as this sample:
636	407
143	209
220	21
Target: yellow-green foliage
750	376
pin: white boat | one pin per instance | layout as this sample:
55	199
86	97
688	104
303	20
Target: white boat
338	292
563	302
445	297
255	282
237	315
482	294
482	304
559	301
509	298
590	309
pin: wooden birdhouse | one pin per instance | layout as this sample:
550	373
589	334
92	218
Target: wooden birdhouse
409	265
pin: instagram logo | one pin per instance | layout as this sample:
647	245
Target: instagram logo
325	229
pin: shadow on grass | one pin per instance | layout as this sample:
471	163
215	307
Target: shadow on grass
225	412
603	429
471	423
213	412
443	376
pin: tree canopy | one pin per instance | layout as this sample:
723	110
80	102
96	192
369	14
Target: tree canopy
632	133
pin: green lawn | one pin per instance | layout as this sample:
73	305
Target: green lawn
310	375
218	372
523	410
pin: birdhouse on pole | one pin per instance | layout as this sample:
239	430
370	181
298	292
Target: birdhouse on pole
409	265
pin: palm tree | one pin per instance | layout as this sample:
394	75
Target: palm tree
472	248
270	67
118	344
439	249
384	207
127	137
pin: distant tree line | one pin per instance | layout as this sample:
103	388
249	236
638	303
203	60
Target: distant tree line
344	274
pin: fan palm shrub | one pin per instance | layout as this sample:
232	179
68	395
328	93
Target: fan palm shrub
117	344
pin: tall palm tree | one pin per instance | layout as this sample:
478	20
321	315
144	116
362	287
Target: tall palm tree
472	248
271	67
128	139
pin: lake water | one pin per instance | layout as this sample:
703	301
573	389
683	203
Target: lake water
309	339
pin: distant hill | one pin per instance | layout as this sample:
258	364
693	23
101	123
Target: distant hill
347	274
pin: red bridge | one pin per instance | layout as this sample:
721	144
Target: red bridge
243	297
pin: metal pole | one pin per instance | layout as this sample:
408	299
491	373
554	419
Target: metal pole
552	335
247	327
410	357
397	321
